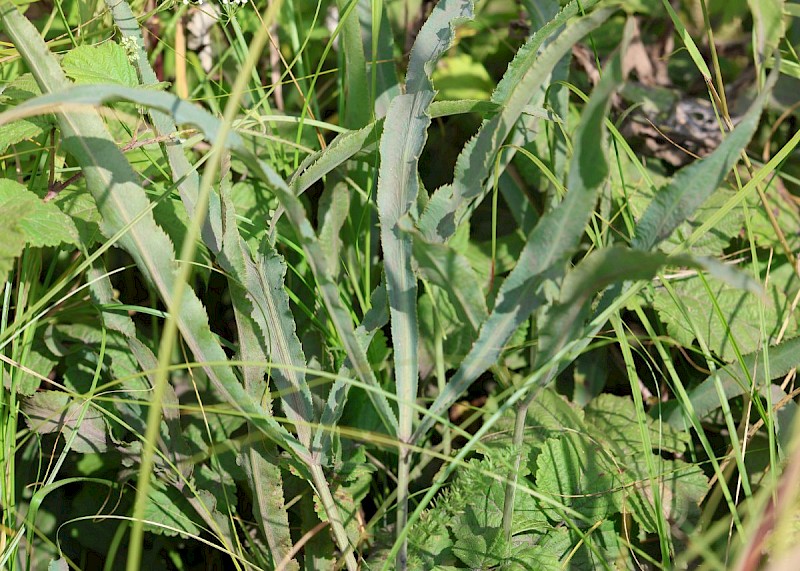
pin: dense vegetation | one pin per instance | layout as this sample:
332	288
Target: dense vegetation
399	285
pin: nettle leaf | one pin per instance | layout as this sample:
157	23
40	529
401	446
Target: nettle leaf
22	130
478	529
613	418
47	412
577	472
562	542
39	361
681	488
741	311
43	224
526	553
168	512
787	216
102	63
713	242
21	89
79	205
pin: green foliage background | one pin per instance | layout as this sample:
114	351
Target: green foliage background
390	285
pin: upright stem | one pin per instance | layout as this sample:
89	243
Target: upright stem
334	516
511	484
403	473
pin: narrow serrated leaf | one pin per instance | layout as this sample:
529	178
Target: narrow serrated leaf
527	73
693	184
551	242
184	112
126	213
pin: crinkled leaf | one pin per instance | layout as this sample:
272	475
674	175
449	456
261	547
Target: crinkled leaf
102	63
42	224
578	473
741	311
612	418
22	130
562	543
53	411
681	488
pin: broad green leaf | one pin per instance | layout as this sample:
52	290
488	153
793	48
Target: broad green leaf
27	221
681	488
551	242
39	361
574	551
741	311
21	89
23	130
102	63
168	512
525	76
612	417
785	212
79	205
578	473
41	223
48	412
693	184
